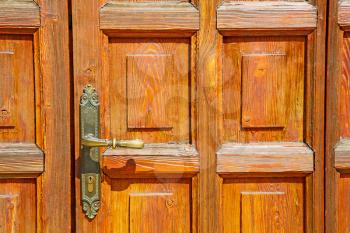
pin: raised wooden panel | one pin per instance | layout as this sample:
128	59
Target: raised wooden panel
17	206
149	89
270	15
344	89
150	16
8	105
265	158
262	83
343	204
148	80
21	159
17	104
263	88
154	160
270	205
151	205
19	14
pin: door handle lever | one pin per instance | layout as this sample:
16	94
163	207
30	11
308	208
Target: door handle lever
91	141
90	174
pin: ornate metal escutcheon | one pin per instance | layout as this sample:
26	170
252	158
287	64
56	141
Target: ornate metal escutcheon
90	174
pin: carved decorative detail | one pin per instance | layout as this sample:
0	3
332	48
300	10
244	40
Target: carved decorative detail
90	177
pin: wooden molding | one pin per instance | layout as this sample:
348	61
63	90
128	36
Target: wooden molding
21	158
167	16
344	14
342	155
266	15
288	157
19	14
154	159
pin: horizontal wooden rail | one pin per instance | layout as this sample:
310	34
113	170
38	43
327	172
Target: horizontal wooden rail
159	16
21	159
266	15
265	158
342	155
19	14
344	14
154	159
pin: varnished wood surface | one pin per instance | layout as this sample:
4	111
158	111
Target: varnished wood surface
18	206
53	123
342	155
19	14
148	16
265	158
269	15
344	13
154	159
21	158
272	205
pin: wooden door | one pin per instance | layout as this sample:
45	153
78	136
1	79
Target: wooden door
34	117
229	98
338	131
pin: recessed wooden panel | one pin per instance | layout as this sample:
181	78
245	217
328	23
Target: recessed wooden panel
344	89
8	93
270	205
149	89
17	107
150	205
154	212
17	206
343	205
264	212
149	78
263	91
263	88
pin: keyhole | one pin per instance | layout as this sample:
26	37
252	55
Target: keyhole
91	182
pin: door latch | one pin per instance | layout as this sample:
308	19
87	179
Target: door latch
90	172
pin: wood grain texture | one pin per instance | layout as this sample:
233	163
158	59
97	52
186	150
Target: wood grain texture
263	205
147	202
153	102
21	158
262	83
337	124
17	98
273	94
343	89
53	64
19	14
148	16
154	159
342	155
343	204
148	77
17	205
273	15
265	157
344	14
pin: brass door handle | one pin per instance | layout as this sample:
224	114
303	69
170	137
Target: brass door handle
91	141
90	174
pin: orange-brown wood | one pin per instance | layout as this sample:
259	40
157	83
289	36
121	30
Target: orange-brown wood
265	158
19	14
17	205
